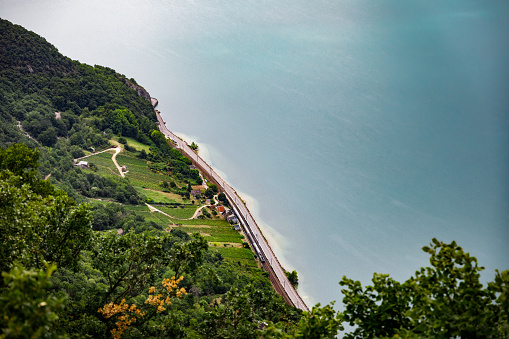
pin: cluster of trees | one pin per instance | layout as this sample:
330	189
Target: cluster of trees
36	217
168	160
211	191
30	63
116	216
121	121
94	186
444	300
292	277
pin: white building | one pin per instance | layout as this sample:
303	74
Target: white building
82	164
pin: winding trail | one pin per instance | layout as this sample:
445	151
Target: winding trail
26	133
154	209
195	214
91	154
114	158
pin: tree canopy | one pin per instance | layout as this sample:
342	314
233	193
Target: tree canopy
444	300
39	224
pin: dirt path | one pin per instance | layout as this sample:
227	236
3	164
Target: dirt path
25	133
89	155
153	209
117	150
197	212
114	158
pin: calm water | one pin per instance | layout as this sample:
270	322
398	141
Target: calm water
357	131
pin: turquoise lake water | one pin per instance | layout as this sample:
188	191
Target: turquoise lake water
356	131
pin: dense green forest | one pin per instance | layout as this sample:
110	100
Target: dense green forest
68	271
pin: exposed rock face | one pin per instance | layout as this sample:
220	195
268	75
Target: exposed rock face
141	91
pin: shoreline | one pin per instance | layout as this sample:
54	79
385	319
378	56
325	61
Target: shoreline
257	240
275	239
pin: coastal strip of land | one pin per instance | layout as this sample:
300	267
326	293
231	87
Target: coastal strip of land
269	260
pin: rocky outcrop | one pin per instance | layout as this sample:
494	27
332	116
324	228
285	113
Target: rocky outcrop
141	91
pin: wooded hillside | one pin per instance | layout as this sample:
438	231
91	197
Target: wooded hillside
83	256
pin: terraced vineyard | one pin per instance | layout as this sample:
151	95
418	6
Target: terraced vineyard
217	234
180	212
136	144
105	165
220	235
158	197
139	174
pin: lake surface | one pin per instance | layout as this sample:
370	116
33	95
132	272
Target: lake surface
356	131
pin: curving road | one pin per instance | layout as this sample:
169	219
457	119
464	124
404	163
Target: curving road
277	275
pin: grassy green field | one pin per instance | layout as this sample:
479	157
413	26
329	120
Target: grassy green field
145	212
158	197
140	208
136	144
218	233
215	233
94	202
158	218
210	222
105	165
234	253
179	212
139	174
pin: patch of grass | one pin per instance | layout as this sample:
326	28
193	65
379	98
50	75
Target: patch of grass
233	252
95	202
208	222
102	159
179	212
139	174
159	197
141	208
231	238
158	218
195	229
135	143
105	165
246	262
216	234
105	171
128	160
